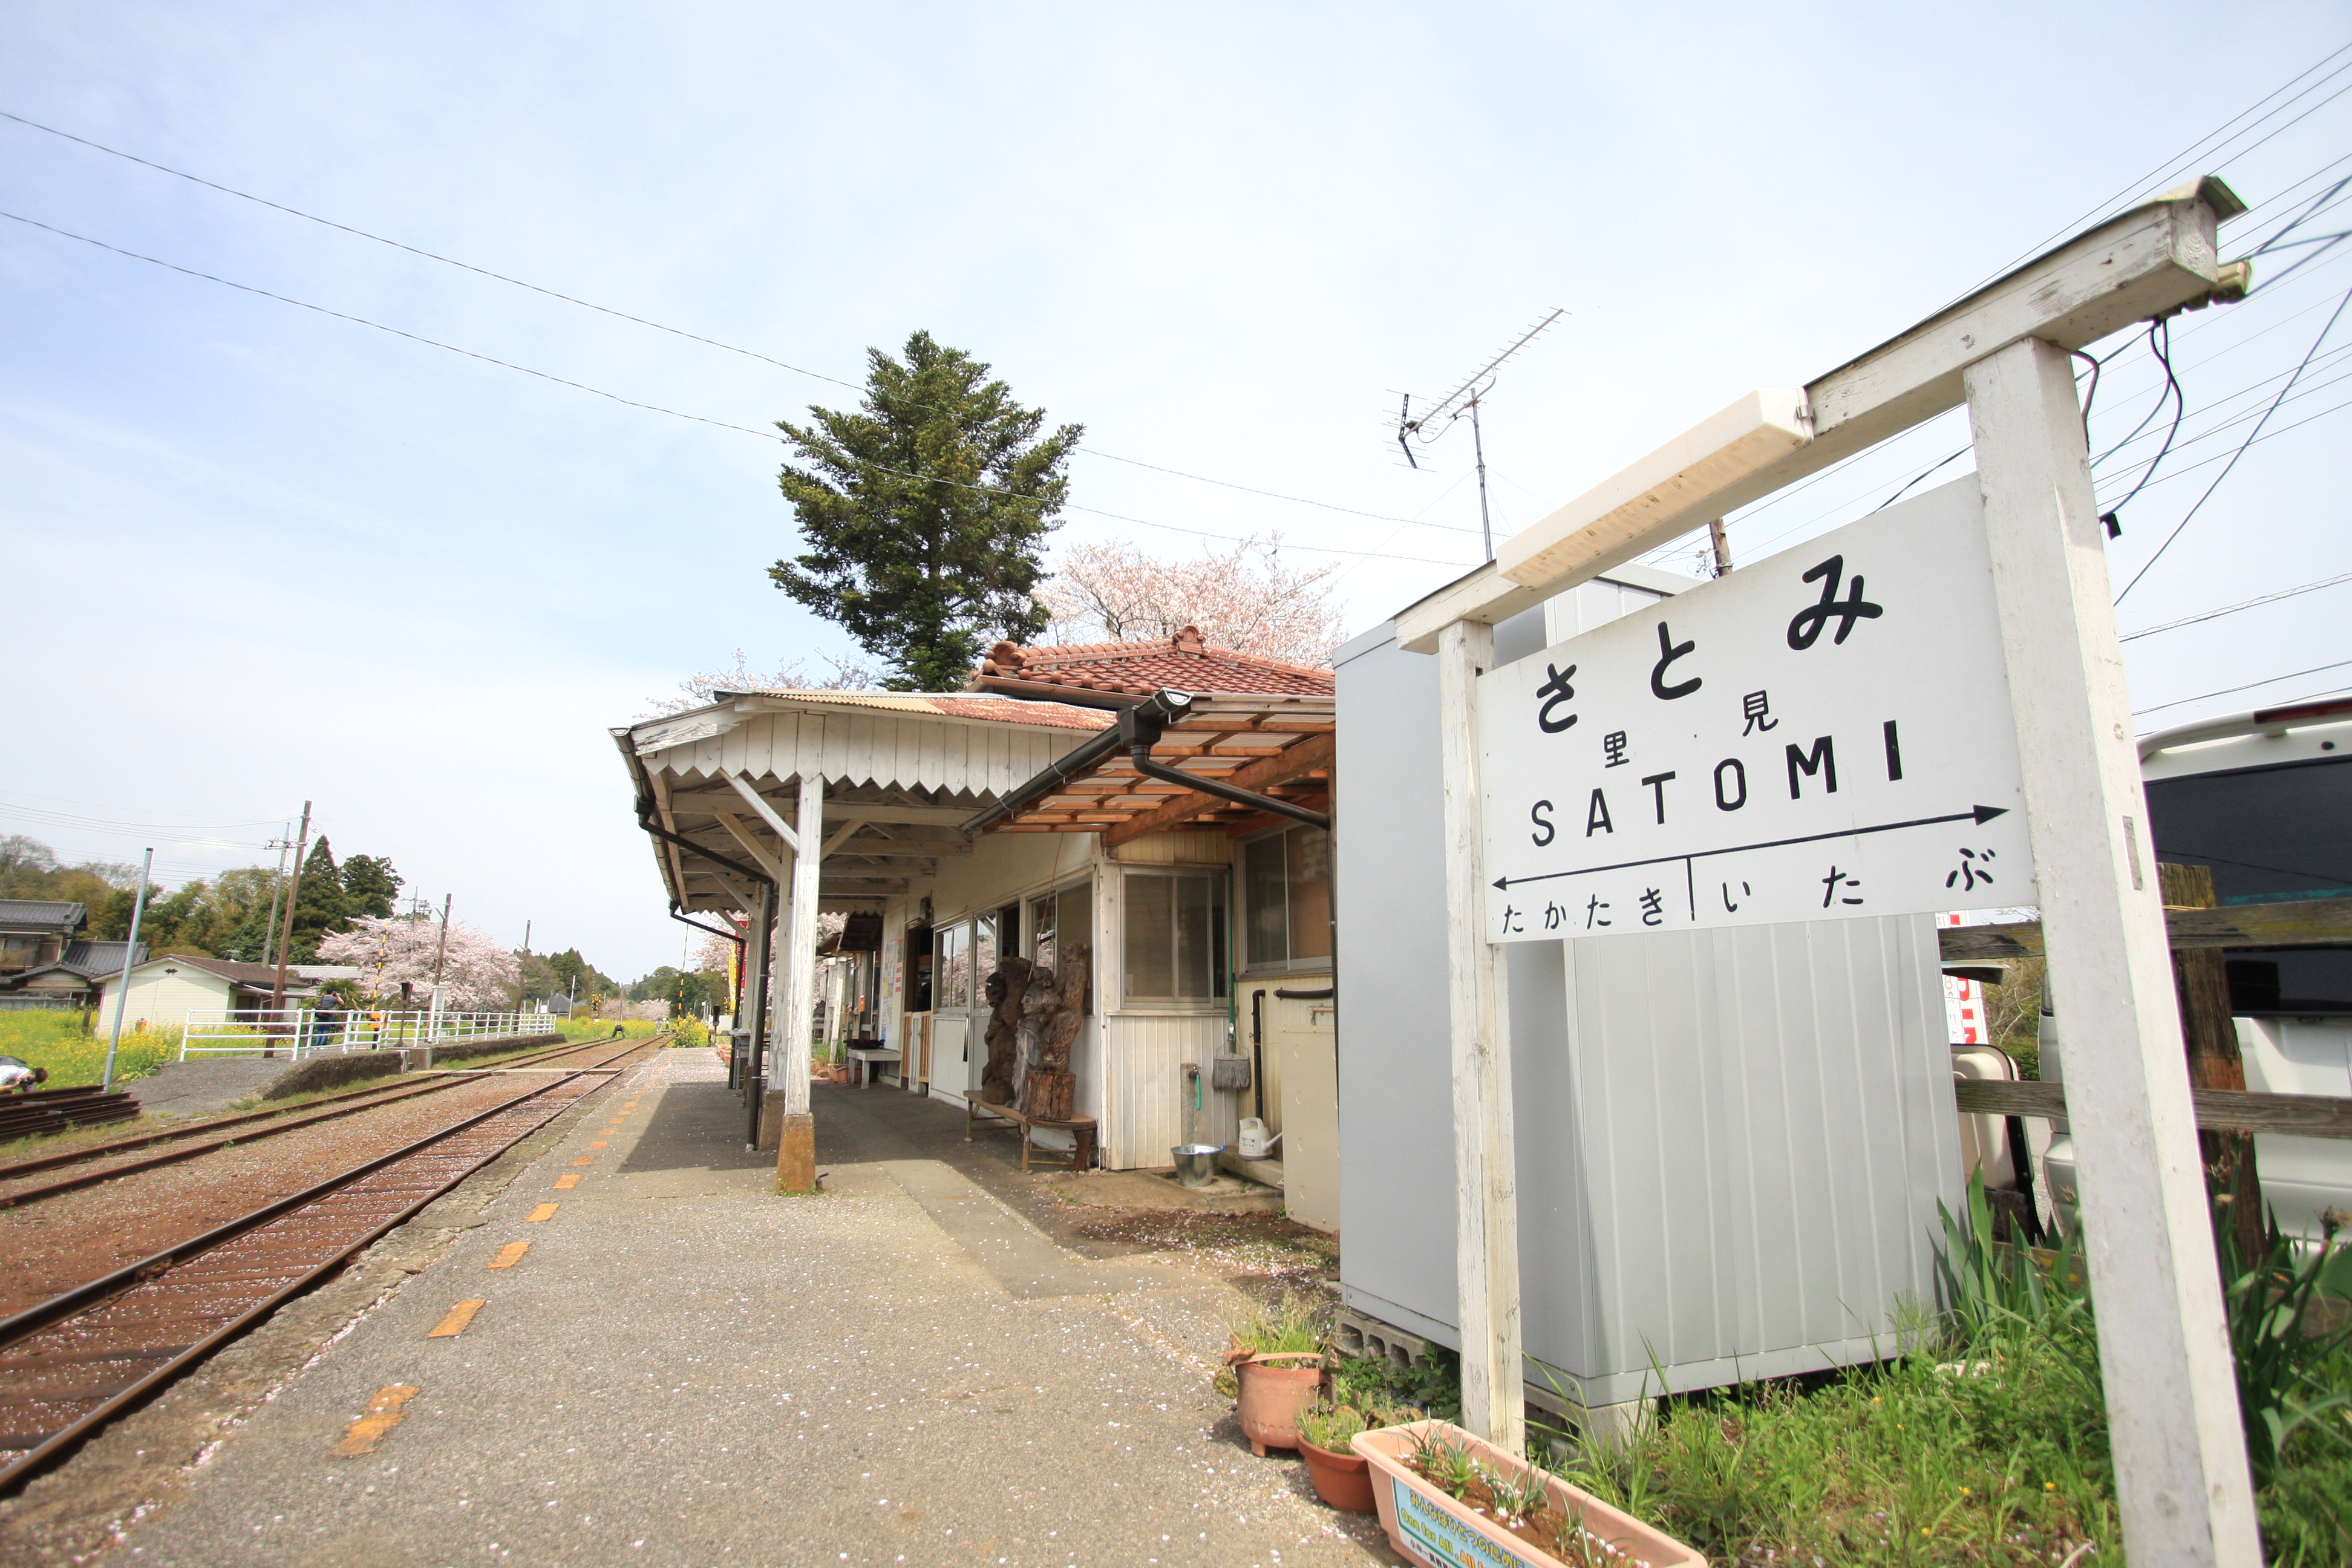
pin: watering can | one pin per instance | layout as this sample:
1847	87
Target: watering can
1255	1142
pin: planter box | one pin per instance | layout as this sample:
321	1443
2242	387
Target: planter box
1430	1528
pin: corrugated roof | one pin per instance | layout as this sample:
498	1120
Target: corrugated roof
59	913
1184	662
951	704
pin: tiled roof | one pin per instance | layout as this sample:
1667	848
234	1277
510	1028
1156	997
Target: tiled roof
55	912
951	704
255	976
1182	663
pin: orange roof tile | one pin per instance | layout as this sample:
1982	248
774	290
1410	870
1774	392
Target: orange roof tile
1182	663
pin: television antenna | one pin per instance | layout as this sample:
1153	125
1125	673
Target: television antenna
1462	401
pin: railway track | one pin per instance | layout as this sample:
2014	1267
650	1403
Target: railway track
71	1364
198	1138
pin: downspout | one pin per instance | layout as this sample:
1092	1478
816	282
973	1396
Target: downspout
1139	728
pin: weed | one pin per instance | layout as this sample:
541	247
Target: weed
1432	1384
1297	1323
1329	1429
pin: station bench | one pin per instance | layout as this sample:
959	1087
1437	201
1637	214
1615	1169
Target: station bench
1081	1129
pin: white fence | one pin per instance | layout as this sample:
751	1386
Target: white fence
298	1032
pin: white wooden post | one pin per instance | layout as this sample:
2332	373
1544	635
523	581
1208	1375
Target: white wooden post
797	1142
2181	1480
1486	1205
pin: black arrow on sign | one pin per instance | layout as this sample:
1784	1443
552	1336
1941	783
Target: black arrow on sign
1978	814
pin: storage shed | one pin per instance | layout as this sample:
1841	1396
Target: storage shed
1730	1143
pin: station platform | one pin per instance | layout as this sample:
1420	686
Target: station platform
676	1365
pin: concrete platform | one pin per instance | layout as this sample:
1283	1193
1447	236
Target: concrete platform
202	1087
1152	1189
685	1368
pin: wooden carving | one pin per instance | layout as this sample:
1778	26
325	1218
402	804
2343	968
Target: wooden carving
1007	988
1051	1014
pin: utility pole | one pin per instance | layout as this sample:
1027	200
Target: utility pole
277	889
293	893
1716	536
1478	446
123	986
523	972
440	954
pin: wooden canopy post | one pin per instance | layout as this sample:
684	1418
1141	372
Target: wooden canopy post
2182	1487
796	1135
1486	1204
756	962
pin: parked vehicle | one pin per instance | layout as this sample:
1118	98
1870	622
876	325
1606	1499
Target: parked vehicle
2265	799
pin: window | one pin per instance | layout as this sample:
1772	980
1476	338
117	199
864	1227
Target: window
954	976
1287	899
1059	921
1175	937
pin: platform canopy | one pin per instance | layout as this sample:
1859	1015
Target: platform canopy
1270	743
902	772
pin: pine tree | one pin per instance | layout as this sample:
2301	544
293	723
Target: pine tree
370	885
925	514
319	904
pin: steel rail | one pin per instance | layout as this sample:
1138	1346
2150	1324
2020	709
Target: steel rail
277	1284
388	1093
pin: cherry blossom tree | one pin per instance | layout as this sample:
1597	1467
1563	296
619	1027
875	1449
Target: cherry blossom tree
1246	599
701	687
480	974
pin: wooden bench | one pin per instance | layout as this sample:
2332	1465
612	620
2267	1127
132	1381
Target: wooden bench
1081	1129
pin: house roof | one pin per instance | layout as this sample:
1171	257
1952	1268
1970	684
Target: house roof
1120	670
50	914
1270	743
252	976
951	704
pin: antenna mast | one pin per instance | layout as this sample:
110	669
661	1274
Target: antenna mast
1464	399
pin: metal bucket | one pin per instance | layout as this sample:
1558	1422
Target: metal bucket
1196	1163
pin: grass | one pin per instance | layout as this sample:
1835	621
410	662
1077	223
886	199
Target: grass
1983	1440
55	1040
1295	1324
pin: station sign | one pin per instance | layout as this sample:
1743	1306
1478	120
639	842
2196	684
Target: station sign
1824	734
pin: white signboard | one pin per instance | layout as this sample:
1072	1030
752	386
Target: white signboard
1822	735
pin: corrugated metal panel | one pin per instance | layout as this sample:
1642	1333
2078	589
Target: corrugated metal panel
1143	1087
1730	1165
1176	849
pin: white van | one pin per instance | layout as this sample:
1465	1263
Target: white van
2265	799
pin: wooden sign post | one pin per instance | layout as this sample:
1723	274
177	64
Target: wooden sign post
2182	1484
2181	1480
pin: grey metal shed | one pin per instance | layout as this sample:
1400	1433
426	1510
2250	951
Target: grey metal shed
1730	1143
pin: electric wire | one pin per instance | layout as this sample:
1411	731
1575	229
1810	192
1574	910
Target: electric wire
639	320
2233	609
2249	686
2252	437
673	413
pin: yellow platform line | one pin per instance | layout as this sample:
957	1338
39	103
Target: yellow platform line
544	1210
384	1412
565	1184
454	1323
509	1255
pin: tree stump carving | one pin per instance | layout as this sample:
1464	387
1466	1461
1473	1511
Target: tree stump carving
1008	987
1052	1013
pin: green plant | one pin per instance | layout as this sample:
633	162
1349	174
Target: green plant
1519	1494
1328	1428
2278	1347
1297	1323
1432	1384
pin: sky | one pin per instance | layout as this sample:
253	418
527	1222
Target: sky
258	554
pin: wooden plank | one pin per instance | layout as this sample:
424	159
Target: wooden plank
2181	1482
1485	1192
2300	922
2147	261
2218	1110
1306	756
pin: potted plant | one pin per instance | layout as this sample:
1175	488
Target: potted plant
1448	1499
1276	1355
1342	1478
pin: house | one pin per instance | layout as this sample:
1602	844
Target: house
1151	814
42	962
163	990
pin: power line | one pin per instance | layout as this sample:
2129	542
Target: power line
2233	609
2233	690
626	316
2250	437
673	413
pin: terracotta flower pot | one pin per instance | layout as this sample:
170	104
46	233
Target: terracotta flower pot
1428	1527
1342	1481
1276	1390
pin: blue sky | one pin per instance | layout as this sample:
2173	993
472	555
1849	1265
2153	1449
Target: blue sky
260	554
